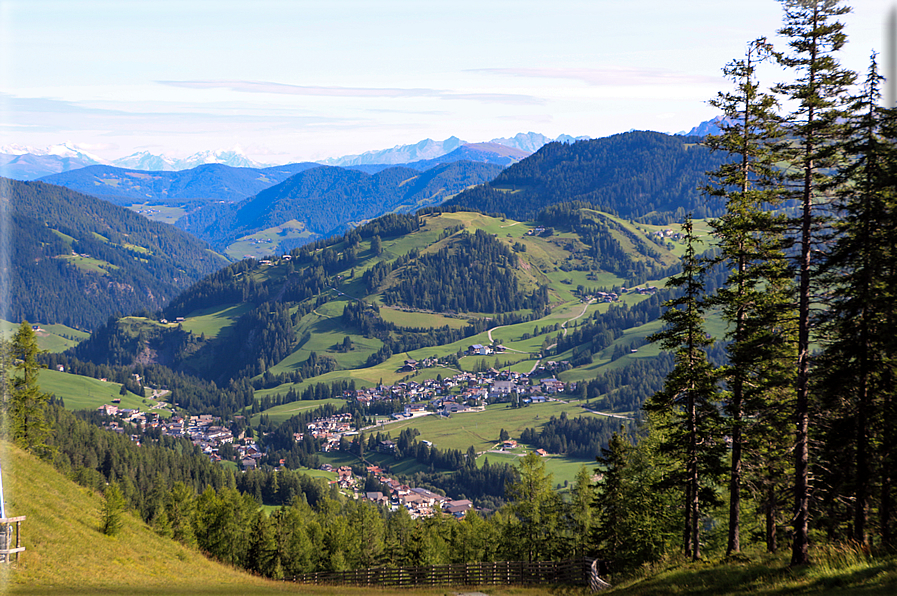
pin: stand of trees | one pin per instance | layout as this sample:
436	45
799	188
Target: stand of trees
809	251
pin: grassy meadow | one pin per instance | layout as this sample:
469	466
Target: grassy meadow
52	338
85	393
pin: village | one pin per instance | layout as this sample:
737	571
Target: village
459	393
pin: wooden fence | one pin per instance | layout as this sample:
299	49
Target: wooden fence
571	572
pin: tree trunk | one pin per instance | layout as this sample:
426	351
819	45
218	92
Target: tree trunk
693	476
771	508
800	548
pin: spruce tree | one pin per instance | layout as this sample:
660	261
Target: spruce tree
856	379
688	402
819	93
751	235
26	405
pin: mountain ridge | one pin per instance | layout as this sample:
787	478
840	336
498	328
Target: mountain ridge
328	199
77	259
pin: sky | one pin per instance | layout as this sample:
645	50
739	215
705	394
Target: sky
304	80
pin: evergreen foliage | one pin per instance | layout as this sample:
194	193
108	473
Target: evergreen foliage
819	92
134	263
855	383
755	299
113	510
687	407
24	404
631	175
473	274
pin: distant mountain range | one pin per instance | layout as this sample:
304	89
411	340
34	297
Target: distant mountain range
708	127
429	150
326	200
208	182
29	163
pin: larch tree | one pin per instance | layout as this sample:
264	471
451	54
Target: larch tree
536	505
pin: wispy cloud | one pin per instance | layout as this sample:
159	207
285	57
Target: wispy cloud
388	92
606	76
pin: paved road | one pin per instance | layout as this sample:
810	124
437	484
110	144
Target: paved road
564	327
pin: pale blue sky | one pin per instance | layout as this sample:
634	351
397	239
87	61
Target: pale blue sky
307	79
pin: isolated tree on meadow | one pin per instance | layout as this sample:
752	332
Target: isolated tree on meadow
26	404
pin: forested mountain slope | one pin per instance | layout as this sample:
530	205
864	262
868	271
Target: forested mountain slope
646	175
77	260
330	199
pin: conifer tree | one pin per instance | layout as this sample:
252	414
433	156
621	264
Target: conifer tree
26	405
857	363
536	505
819	94
751	236
113	510
688	403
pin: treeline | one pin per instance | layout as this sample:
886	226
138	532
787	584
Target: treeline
581	437
474	274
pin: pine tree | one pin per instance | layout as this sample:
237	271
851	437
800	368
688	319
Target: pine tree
819	92
751	236
688	403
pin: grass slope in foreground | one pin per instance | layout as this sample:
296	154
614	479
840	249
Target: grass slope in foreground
66	554
836	569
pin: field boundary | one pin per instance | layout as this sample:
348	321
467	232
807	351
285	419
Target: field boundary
577	572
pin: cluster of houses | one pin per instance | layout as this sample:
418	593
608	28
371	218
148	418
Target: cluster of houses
329	430
419	502
647	290
464	391
668	233
203	430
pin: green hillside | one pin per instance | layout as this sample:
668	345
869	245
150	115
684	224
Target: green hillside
443	281
286	335
67	554
53	338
